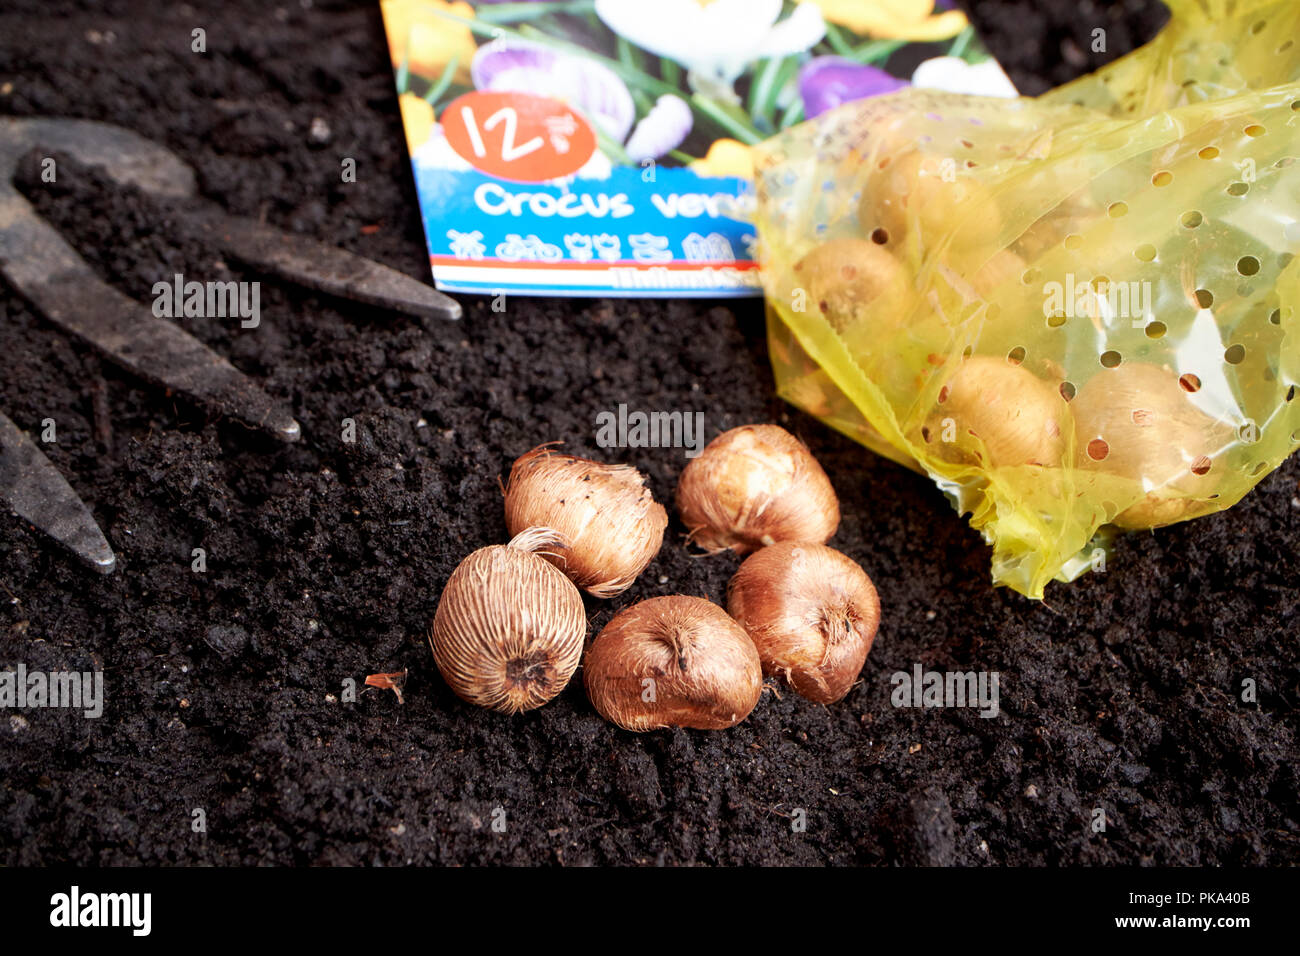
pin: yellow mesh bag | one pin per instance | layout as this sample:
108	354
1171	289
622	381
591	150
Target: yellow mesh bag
1076	312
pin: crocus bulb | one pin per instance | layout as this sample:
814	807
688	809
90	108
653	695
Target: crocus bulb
509	627
610	523
673	662
841	278
1137	421
811	611
932	194
998	413
754	486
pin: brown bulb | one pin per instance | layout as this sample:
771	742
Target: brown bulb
1137	422
673	662
842	277
611	523
811	611
932	193
998	414
754	486
509	627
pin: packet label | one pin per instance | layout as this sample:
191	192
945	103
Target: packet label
601	147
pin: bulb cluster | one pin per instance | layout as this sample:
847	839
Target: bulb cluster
509	630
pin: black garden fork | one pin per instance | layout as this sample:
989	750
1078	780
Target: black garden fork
40	265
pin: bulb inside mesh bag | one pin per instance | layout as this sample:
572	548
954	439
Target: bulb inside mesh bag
1076	312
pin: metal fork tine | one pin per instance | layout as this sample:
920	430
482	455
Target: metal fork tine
132	160
324	268
33	488
49	273
41	266
125	157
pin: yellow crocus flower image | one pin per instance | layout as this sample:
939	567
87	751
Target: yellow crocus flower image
427	42
726	157
894	19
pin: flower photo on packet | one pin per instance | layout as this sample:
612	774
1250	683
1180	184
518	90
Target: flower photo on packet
603	147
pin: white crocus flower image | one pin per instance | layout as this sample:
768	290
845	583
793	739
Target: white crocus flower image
436	153
714	39
952	74
660	130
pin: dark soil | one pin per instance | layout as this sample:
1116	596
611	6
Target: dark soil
325	560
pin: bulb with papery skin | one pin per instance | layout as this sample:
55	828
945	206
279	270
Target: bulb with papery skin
811	611
844	278
673	662
607	517
753	486
509	627
931	193
999	414
1137	421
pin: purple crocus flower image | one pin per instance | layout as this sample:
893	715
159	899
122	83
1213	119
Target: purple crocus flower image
827	81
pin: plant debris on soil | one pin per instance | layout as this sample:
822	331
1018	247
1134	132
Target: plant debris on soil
241	691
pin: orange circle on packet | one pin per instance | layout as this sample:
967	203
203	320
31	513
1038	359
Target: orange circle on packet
518	136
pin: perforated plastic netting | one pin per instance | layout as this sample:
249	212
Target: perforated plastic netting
1075	312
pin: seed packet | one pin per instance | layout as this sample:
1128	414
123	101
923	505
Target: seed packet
602	147
1074	313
